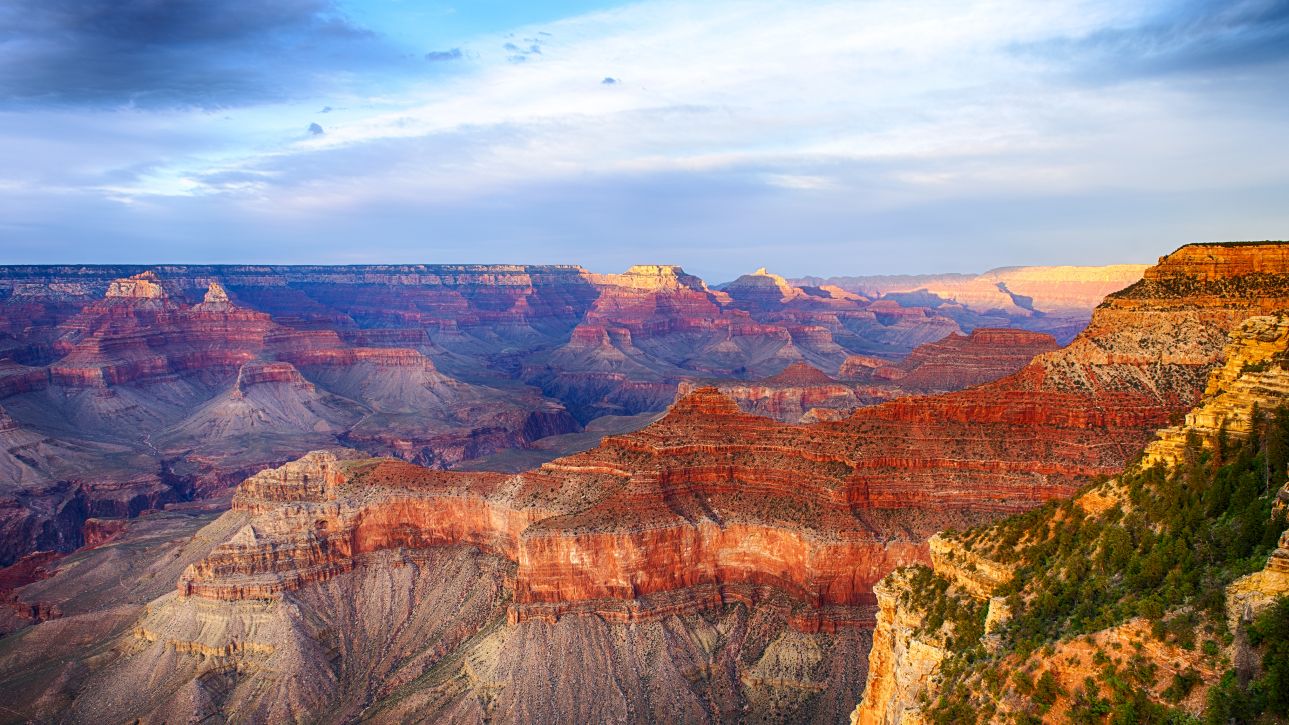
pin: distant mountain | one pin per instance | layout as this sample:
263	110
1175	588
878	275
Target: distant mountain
1044	299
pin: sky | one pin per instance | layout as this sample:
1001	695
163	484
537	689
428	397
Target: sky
820	138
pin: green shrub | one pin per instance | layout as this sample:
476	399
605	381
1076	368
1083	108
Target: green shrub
1166	555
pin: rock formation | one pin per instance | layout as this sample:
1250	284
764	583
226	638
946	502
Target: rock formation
743	551
694	537
1252	373
153	400
961	361
1056	300
796	391
905	664
142	286
803	393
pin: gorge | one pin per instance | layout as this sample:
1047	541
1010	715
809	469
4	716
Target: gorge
714	564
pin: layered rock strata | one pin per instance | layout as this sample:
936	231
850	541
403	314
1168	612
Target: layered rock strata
744	551
120	356
904	664
803	393
961	361
1252	374
716	503
163	400
671	518
800	389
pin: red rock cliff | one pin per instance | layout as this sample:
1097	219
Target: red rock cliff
710	504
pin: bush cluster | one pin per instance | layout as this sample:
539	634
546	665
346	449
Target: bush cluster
1167	554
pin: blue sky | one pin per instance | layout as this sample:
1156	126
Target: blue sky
808	137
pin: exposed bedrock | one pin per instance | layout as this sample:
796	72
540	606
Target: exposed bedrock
801	392
723	505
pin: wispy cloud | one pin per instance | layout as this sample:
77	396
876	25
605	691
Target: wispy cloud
438	56
1199	37
724	126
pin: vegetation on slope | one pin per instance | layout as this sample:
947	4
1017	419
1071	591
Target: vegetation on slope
1165	552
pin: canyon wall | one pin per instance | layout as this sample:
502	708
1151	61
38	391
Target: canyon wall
746	552
130	387
907	665
803	393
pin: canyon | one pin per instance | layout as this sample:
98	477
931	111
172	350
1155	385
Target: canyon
124	389
803	393
919	666
714	564
1055	300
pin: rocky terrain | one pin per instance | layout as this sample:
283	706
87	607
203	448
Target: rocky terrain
123	389
1060	616
804	393
962	361
1055	300
712	565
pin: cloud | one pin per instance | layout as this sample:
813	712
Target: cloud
799	181
521	53
436	56
873	134
315	130
1188	37
167	53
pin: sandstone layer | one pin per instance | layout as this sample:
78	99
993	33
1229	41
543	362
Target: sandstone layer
905	664
743	551
141	373
804	393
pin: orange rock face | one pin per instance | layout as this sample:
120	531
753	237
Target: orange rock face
798	390
710	504
961	361
803	393
1209	263
678	516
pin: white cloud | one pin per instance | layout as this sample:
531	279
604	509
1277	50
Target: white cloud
718	82
836	117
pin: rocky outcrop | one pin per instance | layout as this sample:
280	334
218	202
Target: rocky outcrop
1219	263
904	670
902	659
1252	374
797	390
953	363
860	367
1078	412
693	539
961	361
1249	596
215	297
142	286
762	291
